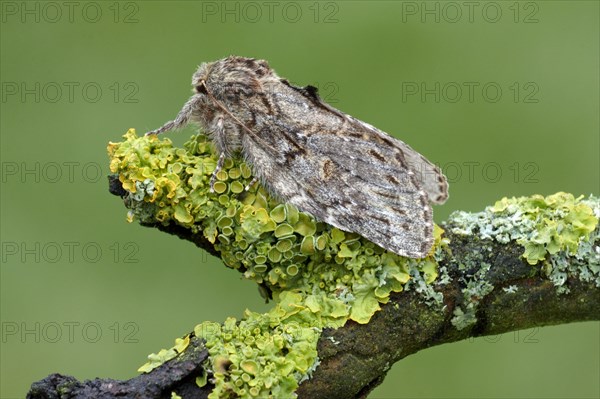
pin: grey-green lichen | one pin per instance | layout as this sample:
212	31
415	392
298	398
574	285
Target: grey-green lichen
320	276
511	289
559	233
429	276
476	287
558	223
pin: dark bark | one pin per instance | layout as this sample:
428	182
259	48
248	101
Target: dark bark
172	376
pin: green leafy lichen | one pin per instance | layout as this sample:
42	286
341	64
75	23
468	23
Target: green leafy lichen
558	231
156	359
319	276
262	355
561	222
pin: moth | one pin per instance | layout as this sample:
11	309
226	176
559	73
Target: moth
341	170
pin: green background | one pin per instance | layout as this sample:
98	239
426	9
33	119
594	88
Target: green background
144	289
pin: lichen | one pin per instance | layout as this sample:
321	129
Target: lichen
319	276
475	287
156	359
262	355
559	233
511	289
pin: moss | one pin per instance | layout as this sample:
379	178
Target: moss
319	276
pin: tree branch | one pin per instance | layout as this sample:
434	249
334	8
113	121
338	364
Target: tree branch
492	274
404	326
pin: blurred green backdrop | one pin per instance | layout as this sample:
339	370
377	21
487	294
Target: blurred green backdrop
503	95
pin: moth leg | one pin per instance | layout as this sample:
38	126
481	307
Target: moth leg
252	182
213	178
170	125
182	118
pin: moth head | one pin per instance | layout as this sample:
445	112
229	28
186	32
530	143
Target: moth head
200	87
231	76
199	79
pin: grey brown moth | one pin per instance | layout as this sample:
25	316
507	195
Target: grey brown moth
343	171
